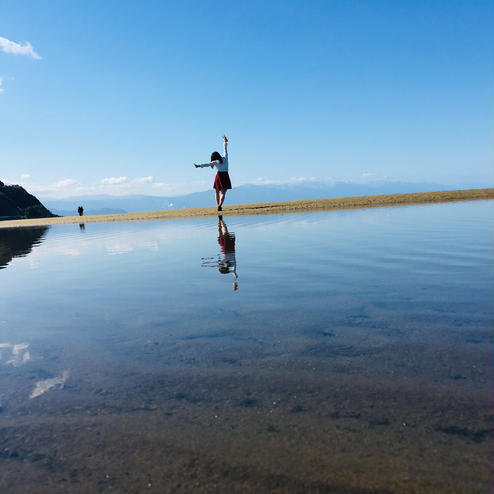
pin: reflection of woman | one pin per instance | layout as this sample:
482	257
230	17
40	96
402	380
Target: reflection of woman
222	180
228	264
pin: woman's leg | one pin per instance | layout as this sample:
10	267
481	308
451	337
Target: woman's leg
217	196
223	194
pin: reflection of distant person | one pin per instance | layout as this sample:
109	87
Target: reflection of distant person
82	226
222	180
80	210
228	264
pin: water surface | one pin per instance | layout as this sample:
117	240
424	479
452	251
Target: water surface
342	351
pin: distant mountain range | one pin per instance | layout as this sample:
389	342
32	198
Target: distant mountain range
243	194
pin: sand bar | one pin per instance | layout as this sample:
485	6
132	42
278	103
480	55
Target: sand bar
303	206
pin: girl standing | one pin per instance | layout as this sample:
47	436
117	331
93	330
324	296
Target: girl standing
222	180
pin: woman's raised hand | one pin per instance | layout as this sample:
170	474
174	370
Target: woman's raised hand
225	139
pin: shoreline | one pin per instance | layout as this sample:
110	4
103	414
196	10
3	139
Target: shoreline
283	207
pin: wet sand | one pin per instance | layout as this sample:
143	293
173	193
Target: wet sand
303	206
323	412
239	423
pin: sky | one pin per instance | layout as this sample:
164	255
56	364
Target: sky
122	97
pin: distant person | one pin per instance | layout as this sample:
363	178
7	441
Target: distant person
222	180
80	210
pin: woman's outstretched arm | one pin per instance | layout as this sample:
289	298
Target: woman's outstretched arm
225	147
204	165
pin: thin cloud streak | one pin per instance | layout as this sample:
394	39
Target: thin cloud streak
366	176
64	187
291	180
27	49
144	180
115	186
114	180
120	186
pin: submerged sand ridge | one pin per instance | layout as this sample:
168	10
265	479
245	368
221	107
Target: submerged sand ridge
301	206
213	426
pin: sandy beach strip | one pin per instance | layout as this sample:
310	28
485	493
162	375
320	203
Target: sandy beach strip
303	206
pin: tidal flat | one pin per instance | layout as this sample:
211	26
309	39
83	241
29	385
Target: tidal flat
354	354
283	207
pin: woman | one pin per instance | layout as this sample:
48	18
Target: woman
222	180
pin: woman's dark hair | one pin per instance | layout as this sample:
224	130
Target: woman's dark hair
215	156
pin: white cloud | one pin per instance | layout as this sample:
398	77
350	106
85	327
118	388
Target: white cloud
144	180
300	180
66	182
159	185
115	186
27	49
61	188
291	180
372	176
113	180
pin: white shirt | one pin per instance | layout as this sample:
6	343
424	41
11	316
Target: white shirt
222	167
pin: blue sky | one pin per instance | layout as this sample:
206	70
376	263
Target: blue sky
122	97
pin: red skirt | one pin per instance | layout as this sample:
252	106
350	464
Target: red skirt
222	181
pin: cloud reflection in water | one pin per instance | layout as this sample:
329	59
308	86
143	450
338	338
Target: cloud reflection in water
18	353
47	384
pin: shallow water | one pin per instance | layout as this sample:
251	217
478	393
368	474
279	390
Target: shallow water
344	351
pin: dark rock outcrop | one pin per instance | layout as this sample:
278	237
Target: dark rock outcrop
16	202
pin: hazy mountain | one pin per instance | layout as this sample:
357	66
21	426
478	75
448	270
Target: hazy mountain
239	195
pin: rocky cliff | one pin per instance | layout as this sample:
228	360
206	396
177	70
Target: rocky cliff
16	202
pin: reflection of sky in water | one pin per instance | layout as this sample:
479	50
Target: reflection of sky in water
45	385
15	355
133	280
356	338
